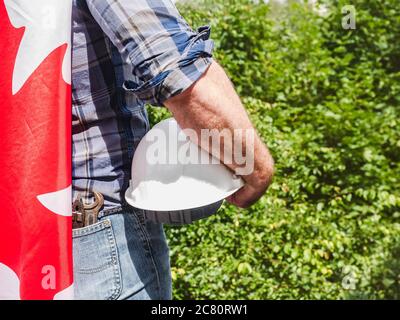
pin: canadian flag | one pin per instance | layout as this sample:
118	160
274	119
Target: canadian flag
35	150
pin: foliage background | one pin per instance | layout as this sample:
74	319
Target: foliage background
326	101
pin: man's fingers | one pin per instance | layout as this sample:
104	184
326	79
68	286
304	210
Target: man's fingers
244	197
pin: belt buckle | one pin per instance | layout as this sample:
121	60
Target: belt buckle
84	215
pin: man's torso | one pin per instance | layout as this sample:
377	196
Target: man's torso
107	121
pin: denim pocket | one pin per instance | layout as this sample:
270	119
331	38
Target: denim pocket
96	264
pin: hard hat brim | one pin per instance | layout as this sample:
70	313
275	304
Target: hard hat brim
177	202
182	217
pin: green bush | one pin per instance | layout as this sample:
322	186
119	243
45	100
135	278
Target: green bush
326	101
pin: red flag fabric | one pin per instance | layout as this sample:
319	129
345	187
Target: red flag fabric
35	150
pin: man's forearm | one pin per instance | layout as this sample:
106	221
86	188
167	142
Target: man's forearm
212	103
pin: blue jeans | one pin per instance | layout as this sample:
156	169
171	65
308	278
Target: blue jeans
122	256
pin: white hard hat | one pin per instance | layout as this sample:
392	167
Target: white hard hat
172	182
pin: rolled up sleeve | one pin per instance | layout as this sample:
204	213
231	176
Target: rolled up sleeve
166	55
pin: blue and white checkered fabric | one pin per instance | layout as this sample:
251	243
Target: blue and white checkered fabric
126	53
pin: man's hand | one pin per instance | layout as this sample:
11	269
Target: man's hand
251	192
212	103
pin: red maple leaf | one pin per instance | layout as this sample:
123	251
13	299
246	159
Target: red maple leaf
35	159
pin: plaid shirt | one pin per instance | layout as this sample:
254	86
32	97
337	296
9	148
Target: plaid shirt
125	53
